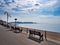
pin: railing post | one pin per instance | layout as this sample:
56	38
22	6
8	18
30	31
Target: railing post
45	36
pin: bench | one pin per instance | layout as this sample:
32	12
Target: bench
12	27
33	32
16	28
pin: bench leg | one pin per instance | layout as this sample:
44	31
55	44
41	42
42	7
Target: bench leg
30	35
41	37
20	30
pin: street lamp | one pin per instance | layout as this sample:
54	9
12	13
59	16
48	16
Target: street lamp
15	22
7	16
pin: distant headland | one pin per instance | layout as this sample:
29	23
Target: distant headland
23	22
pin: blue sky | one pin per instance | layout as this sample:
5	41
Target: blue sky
41	11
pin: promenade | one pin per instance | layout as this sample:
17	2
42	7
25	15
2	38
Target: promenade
8	37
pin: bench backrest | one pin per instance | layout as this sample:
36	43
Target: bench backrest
34	32
31	32
37	33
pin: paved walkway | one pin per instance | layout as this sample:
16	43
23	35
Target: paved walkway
8	37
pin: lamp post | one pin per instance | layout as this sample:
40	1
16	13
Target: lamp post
15	22
7	16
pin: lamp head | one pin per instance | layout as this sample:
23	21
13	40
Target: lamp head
15	19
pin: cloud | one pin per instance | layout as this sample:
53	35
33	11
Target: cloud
46	7
43	19
3	17
51	3
27	5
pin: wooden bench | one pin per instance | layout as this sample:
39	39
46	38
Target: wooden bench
13	27
33	32
16	28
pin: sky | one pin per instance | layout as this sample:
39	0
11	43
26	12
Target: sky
41	11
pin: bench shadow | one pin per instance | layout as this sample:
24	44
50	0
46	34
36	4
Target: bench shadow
14	31
35	39
9	30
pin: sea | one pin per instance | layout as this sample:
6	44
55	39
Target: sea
42	26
